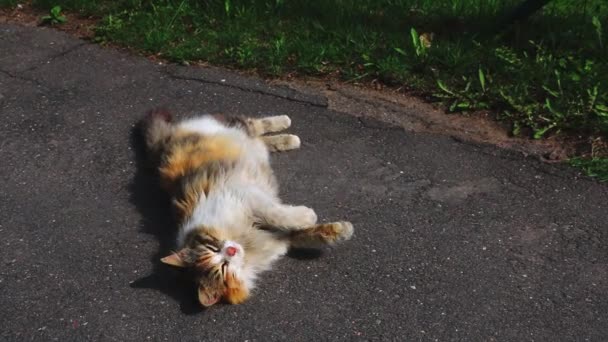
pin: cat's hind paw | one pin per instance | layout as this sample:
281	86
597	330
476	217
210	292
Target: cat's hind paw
281	142
269	124
279	123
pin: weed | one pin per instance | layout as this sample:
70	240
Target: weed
8	3
598	30
55	17
594	167
420	48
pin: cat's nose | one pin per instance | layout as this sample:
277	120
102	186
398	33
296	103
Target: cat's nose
231	251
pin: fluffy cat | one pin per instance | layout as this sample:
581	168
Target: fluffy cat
232	224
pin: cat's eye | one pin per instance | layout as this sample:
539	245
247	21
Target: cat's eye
212	248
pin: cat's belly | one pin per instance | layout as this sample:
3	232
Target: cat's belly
205	125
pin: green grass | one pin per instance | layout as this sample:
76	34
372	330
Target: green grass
8	3
594	167
545	76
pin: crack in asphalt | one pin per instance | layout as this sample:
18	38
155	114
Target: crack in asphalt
52	58
19	74
366	122
242	88
23	78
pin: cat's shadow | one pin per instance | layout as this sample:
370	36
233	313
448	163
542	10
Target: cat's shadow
157	219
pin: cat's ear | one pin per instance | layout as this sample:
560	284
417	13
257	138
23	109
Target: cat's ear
175	259
208	296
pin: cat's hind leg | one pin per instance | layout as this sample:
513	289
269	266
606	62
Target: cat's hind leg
269	124
321	234
281	142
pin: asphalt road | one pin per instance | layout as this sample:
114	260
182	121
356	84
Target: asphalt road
453	241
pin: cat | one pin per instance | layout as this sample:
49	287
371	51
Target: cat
232	224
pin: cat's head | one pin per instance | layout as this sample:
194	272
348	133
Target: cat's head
216	262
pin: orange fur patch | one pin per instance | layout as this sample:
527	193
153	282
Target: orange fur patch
188	152
236	292
190	195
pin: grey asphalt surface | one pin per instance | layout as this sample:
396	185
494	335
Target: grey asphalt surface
454	241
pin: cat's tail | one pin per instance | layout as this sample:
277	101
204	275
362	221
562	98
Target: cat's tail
156	129
321	234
